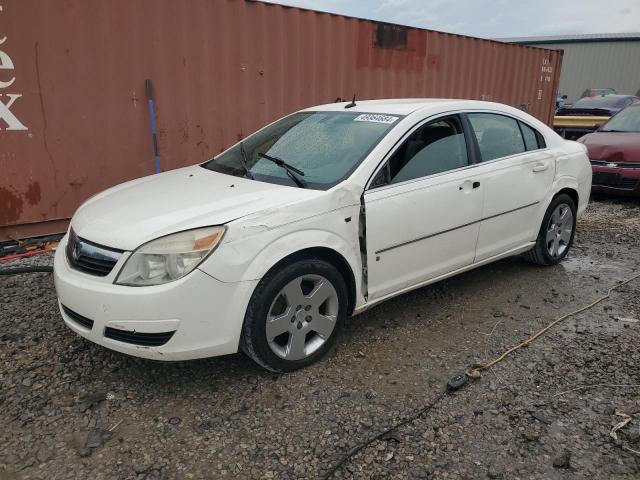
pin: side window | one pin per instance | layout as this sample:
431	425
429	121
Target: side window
433	148
498	136
532	139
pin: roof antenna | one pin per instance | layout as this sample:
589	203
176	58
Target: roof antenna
353	102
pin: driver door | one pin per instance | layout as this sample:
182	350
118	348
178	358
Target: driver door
423	208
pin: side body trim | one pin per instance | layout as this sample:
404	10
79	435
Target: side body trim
386	249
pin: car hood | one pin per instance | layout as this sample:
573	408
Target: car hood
613	146
133	213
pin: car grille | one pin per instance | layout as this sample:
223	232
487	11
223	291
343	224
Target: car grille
138	338
89	257
606	163
77	318
629	183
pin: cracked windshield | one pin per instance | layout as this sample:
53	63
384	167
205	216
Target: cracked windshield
309	149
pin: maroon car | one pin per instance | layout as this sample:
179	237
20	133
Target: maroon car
614	150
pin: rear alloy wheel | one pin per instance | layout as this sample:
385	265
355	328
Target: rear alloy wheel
294	315
556	233
559	231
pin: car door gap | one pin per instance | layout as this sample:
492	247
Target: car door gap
362	239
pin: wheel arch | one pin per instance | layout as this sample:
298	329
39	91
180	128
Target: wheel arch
572	192
563	184
329	255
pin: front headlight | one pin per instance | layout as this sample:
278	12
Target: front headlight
169	258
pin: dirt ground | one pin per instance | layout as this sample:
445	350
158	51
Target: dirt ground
72	409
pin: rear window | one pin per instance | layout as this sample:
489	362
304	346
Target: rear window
533	139
498	135
607	101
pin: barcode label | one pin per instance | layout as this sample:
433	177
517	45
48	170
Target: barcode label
370	117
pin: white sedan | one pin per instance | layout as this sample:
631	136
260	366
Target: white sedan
272	245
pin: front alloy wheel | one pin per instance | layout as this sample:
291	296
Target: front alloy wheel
302	317
294	315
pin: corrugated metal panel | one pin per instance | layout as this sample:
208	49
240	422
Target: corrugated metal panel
221	69
599	65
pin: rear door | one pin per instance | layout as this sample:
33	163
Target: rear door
517	171
423	208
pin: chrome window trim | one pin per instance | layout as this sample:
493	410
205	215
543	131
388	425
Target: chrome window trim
435	117
546	144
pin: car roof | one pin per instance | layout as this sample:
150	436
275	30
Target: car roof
406	106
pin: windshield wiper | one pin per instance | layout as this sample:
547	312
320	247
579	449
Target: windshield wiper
617	131
243	161
292	171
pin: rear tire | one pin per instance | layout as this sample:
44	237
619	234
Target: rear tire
556	232
294	315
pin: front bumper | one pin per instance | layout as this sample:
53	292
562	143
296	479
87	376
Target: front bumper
617	180
204	313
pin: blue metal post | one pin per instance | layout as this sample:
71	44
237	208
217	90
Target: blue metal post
154	134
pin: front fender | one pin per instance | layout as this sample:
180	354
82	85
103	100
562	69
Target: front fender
302	240
250	257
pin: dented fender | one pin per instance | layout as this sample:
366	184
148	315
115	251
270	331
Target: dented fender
251	257
255	243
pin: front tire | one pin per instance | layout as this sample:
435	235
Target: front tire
556	232
294	315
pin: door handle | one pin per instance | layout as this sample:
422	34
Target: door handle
540	167
467	184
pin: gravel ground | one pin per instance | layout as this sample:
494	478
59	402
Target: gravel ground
71	409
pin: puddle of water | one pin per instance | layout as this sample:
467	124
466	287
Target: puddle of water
581	262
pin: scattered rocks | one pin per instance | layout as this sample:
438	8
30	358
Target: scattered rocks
11	337
225	418
92	400
495	471
531	435
84	442
541	417
43	454
563	460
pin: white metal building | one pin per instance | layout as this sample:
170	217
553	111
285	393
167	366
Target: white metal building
608	60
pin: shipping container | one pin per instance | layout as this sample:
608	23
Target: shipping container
74	113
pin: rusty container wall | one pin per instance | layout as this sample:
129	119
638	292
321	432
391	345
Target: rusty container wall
74	114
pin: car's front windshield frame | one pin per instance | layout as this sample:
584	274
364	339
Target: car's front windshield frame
380	126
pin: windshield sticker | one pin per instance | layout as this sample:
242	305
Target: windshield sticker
370	117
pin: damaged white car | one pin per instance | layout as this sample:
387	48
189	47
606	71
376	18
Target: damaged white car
273	244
